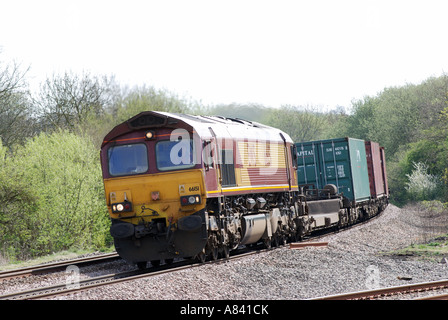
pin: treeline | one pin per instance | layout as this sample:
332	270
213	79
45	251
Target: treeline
51	189
411	122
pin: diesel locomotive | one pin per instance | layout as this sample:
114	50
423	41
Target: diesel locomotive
185	186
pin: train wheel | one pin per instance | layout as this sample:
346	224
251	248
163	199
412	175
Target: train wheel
169	261
155	263
283	240
294	238
201	257
267	243
225	252
142	265
214	253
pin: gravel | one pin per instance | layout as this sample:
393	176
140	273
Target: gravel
354	260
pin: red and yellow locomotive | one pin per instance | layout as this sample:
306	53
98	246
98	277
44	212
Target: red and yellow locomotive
196	186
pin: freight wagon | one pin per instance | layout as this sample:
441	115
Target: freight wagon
350	167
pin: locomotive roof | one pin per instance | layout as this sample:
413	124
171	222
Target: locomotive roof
222	127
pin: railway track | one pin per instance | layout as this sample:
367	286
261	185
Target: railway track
382	293
56	266
67	288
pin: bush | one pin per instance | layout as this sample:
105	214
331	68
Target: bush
54	196
421	185
16	212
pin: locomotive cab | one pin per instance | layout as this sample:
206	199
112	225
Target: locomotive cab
154	189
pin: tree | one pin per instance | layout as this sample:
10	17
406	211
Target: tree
15	107
422	185
301	123
52	196
249	112
70	100
391	118
149	98
411	122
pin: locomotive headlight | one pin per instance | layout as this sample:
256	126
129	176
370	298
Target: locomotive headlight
187	200
125	206
149	135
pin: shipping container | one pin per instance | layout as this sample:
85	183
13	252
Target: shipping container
375	169
383	170
341	162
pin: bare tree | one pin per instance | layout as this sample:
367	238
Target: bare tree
68	100
15	108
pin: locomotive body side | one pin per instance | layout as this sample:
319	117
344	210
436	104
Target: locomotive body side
247	157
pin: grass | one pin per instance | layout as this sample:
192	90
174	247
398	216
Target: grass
434	250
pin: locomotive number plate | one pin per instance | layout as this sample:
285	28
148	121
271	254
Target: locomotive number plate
192	188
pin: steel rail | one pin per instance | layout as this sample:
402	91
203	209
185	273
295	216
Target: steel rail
55	266
389	291
63	288
435	297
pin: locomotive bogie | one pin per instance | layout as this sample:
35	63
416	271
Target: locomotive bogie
185	241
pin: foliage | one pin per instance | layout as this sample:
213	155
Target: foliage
422	185
302	124
149	98
18	204
54	194
411	122
15	107
250	112
68	100
390	118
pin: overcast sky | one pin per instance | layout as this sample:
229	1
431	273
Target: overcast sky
318	52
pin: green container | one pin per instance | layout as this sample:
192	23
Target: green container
341	162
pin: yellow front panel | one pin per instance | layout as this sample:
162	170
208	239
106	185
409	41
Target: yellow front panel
166	188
